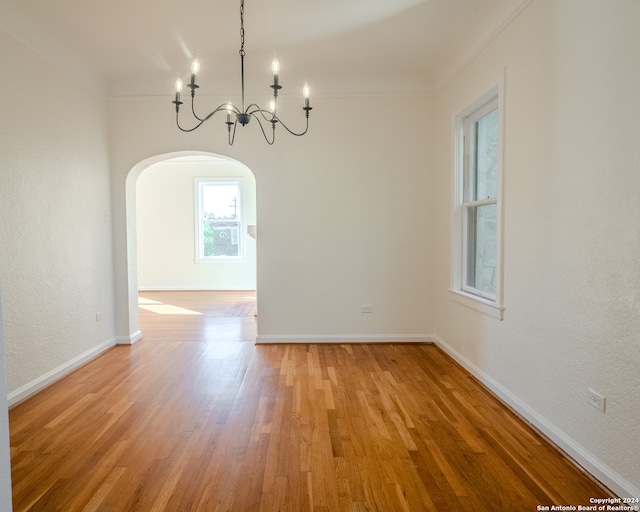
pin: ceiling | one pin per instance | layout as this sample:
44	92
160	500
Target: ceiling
342	47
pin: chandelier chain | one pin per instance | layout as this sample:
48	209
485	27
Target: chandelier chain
242	53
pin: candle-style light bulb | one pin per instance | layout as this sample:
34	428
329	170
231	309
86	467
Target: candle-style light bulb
306	92
229	108
195	66
275	69
272	106
179	86
195	69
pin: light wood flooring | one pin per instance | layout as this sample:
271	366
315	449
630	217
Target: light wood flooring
195	416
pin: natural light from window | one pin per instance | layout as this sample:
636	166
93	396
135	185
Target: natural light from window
164	309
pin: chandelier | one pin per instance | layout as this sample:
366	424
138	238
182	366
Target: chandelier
244	113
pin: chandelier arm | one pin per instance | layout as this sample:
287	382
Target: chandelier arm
187	130
264	133
232	137
306	128
208	116
219	108
267	115
201	121
193	109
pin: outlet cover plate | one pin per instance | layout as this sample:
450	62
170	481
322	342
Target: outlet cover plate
597	400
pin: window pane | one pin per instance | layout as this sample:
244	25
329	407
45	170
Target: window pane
220	238
220	219
486	156
482	248
220	201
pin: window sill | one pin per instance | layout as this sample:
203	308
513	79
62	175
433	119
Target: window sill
479	304
220	259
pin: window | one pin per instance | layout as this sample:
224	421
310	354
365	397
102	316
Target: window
218	219
478	222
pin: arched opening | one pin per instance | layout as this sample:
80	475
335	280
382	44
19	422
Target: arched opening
195	271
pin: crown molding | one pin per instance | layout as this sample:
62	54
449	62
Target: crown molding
449	77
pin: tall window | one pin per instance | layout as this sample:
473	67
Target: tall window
478	213
218	219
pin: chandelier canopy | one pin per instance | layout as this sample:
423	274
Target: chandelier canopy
244	113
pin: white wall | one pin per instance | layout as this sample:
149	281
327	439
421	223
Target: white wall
5	453
56	265
165	213
572	238
344	212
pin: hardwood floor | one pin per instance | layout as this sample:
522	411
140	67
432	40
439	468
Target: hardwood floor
197	417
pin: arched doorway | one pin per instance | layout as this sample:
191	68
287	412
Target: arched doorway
201	165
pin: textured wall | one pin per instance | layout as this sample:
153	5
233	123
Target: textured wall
344	216
56	266
5	462
571	237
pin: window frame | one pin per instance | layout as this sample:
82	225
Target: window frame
199	184
464	172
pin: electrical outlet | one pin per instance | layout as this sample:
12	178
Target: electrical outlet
98	316
366	308
597	400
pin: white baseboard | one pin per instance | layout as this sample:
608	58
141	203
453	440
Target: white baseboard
143	289
345	338
49	378
129	340
573	449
